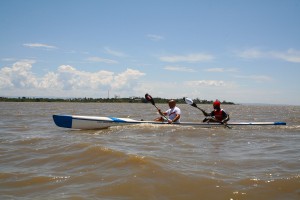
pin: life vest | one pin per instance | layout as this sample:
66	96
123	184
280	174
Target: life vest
219	114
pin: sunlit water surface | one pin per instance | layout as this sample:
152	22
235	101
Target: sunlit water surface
42	161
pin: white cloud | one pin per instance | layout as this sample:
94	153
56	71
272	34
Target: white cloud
191	58
19	75
39	45
215	70
72	79
251	53
154	37
221	70
179	69
257	78
8	59
123	79
50	80
114	52
65	80
104	60
211	83
291	55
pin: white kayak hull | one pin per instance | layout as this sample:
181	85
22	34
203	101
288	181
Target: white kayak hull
93	122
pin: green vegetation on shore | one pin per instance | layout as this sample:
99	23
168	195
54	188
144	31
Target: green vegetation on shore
100	100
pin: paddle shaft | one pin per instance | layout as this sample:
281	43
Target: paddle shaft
149	98
160	112
204	113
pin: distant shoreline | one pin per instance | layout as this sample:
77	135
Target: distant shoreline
102	100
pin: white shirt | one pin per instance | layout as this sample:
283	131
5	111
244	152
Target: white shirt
172	112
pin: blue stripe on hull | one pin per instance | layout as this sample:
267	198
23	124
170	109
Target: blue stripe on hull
279	123
64	121
117	119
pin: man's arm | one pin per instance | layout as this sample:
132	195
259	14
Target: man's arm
162	113
176	118
225	117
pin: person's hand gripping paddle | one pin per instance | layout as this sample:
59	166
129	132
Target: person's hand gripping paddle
190	102
151	100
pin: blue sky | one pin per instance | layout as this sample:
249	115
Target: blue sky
240	51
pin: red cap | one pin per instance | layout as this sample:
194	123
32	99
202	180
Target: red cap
217	103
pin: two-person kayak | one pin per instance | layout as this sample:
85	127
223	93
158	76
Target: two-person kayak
94	122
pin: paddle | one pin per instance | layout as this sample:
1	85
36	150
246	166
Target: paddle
190	102
149	98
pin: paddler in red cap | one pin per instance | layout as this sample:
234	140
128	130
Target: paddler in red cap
217	115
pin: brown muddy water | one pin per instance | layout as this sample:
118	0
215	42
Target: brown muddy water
41	161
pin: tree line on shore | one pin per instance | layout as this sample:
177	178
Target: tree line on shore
102	100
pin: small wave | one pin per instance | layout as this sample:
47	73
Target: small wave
16	180
15	128
114	157
292	127
29	185
283	188
29	141
86	156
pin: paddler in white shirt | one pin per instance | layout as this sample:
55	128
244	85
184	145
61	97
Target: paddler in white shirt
172	114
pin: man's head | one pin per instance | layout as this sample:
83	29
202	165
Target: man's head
217	104
172	103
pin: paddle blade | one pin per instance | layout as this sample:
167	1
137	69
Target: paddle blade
149	98
188	101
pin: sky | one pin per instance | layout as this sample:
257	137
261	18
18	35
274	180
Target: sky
239	51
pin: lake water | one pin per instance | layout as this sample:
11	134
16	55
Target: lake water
42	161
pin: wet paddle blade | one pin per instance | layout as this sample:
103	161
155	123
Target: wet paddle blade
149	98
189	101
